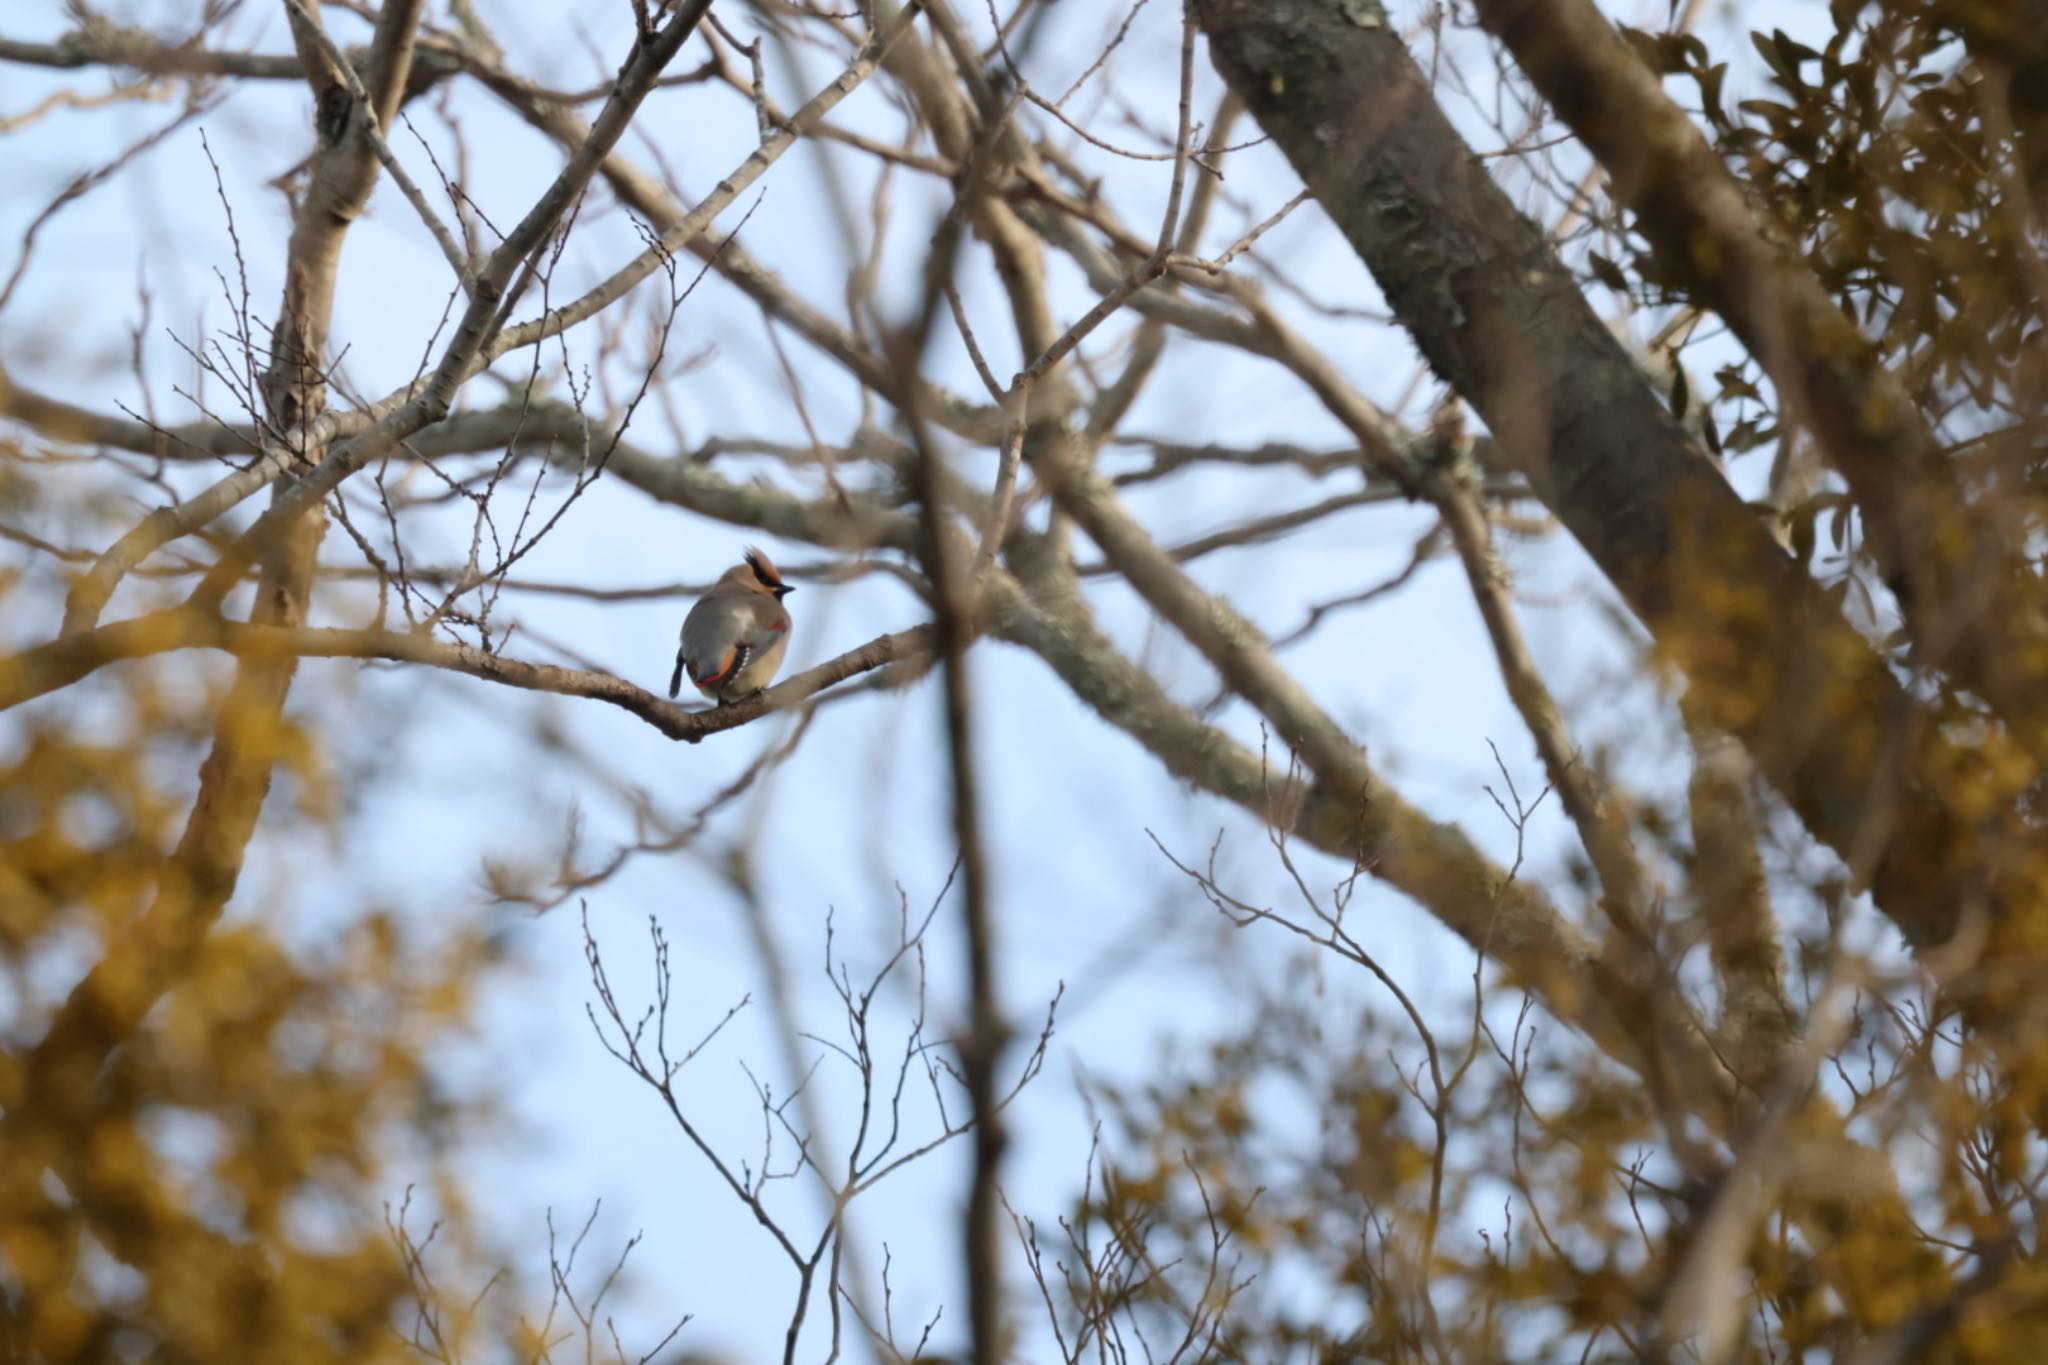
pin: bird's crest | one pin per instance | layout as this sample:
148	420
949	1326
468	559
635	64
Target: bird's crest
765	571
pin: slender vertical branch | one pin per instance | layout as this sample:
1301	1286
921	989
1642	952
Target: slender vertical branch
953	601
987	1032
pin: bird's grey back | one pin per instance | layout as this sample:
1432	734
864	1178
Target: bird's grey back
705	629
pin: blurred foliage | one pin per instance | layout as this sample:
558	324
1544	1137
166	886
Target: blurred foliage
216	1189
1886	156
1873	155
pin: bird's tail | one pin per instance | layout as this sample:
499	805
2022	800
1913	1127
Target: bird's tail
675	682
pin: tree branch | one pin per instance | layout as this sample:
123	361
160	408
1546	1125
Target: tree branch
1959	568
1495	312
37	672
106	1007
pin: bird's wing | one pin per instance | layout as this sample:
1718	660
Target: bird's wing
767	621
723	667
707	634
727	629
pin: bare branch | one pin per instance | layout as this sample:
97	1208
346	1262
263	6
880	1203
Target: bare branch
46	668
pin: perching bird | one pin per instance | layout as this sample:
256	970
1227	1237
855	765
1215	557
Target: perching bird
734	638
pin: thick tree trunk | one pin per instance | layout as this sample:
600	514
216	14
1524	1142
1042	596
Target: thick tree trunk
1767	656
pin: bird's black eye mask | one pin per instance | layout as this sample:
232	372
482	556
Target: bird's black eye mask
765	573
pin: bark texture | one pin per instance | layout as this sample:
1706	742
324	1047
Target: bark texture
1498	316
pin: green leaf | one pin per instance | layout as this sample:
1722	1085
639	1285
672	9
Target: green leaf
1735	385
1801	529
1607	272
1775	60
1791	51
1710	91
1644	46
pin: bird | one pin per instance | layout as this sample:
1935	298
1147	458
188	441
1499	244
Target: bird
735	637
